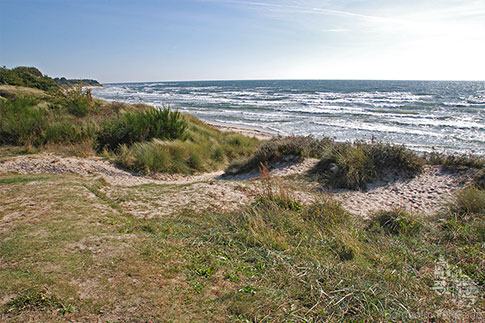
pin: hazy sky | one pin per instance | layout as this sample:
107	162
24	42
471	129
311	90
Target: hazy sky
155	40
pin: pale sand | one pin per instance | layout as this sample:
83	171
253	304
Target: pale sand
425	194
261	135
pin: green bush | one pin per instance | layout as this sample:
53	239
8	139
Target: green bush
346	166
77	102
141	126
24	122
455	161
28	77
21	123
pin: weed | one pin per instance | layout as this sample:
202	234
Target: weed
204	271
470	201
278	195
34	300
396	221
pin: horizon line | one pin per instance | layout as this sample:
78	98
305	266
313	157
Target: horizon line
298	79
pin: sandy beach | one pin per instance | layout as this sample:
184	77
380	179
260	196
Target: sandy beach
261	135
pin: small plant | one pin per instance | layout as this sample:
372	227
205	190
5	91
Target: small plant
469	201
31	300
204	271
396	221
248	289
269	194
353	166
197	287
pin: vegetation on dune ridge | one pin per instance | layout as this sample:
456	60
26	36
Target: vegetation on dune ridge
138	137
202	148
27	77
341	165
62	81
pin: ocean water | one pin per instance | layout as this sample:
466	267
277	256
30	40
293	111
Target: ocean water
446	116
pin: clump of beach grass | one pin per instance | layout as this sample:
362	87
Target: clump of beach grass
353	166
140	126
202	148
396	221
454	161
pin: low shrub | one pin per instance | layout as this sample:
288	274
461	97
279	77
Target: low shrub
21	123
77	102
141	126
346	166
325	213
456	160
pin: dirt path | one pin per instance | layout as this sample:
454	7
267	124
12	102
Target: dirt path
425	194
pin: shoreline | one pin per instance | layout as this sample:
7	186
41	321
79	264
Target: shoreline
259	134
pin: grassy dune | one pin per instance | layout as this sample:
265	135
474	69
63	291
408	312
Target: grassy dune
88	258
137	137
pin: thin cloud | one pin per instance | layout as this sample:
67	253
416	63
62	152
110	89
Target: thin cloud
303	9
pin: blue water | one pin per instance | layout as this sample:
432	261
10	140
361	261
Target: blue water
446	116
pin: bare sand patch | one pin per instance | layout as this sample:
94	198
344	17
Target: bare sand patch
426	194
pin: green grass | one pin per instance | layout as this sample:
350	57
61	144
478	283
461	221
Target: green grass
203	148
138	137
88	258
20	179
353	166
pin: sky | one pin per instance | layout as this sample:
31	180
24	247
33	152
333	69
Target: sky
157	40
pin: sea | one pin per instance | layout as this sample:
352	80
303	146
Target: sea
442	116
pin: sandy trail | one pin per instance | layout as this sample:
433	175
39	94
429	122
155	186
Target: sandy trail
425	194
